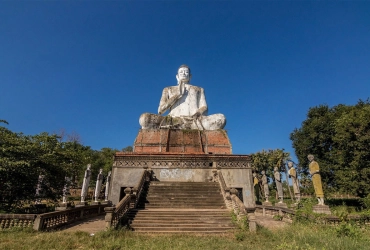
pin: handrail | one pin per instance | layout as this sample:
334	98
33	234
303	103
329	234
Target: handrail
139	188
234	203
239	207
16	220
52	220
115	214
224	189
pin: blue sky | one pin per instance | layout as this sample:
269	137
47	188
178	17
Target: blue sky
92	67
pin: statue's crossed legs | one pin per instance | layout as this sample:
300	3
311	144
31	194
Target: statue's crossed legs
154	121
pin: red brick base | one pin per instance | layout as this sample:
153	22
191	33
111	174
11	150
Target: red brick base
182	141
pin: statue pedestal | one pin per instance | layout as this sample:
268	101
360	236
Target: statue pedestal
81	204
267	203
321	209
95	203
190	141
63	206
106	203
281	204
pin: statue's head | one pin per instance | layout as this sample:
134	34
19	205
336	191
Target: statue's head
88	166
263	172
254	174
310	157
290	164
183	74
276	169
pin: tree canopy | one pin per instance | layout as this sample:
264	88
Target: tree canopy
268	159
339	138
23	158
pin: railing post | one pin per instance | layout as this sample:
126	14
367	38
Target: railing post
37	224
252	221
108	216
82	213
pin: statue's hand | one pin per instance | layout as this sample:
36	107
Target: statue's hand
181	88
197	115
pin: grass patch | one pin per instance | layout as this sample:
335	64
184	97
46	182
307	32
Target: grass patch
296	236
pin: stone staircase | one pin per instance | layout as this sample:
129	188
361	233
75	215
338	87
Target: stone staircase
181	207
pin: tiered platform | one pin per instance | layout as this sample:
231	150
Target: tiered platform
180	155
182	141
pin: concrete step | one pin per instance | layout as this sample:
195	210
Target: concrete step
183	229
185	201
183	190
196	233
168	220
182	207
180	224
183	183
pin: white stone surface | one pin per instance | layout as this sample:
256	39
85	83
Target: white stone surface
85	185
186	104
99	182
107	185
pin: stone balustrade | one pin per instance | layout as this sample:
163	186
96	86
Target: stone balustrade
285	213
224	189
16	220
234	203
53	220
130	200
288	215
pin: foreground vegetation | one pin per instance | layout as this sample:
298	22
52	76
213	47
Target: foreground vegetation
296	236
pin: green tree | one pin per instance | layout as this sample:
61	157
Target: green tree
102	159
268	159
23	158
339	139
128	149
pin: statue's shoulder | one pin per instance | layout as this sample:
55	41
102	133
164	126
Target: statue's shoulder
196	88
170	88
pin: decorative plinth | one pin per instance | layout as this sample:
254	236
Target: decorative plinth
321	209
281	204
106	203
95	203
182	141
267	203
81	204
63	206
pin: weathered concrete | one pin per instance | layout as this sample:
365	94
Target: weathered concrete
89	225
128	169
182	141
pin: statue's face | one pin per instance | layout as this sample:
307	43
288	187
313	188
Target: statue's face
183	74
290	164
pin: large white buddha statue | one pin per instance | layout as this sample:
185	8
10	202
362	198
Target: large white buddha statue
187	107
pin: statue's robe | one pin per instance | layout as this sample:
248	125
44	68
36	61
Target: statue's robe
316	179
293	174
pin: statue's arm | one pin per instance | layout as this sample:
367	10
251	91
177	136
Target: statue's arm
314	168
167	102
277	176
292	173
202	104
